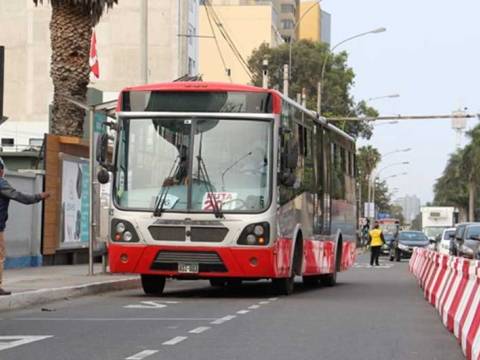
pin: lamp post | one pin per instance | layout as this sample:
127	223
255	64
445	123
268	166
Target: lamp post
391	96
319	95
371	183
294	31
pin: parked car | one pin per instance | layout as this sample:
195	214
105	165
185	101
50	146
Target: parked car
407	242
445	241
467	241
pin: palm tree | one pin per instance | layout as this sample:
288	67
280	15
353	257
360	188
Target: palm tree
368	158
70	33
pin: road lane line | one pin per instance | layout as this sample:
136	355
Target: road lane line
243	312
18	340
114	319
175	340
273	299
199	330
142	355
224	319
264	302
253	307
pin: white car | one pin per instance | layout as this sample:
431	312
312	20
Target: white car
445	242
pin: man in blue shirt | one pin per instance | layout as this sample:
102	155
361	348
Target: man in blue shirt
8	193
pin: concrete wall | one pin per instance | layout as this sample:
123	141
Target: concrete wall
23	231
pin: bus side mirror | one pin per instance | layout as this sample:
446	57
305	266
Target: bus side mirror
102	149
103	176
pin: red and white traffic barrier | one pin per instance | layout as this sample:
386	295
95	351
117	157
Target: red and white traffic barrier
452	285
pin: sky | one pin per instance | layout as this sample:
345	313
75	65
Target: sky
429	55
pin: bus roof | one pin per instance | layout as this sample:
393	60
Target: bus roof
202	86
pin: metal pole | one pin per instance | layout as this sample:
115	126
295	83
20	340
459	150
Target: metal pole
91	117
265	74
144	40
319	98
285	79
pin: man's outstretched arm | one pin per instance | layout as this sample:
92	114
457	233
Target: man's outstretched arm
9	192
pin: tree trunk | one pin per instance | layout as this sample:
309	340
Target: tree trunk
471	200
71	30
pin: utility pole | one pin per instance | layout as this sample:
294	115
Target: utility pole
319	98
144	41
265	73
285	79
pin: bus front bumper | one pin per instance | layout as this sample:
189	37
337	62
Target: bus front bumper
196	262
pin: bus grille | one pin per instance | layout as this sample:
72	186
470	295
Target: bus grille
208	261
208	234
167	233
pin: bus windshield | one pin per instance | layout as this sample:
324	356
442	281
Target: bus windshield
194	164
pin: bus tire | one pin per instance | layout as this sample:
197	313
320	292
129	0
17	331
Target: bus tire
153	284
284	286
218	282
310	281
331	279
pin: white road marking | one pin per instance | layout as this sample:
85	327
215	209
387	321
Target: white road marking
273	299
199	330
253	307
146	305
142	355
368	266
243	311
18	340
224	319
264	302
175	340
114	319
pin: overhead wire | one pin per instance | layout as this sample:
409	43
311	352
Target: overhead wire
228	39
227	70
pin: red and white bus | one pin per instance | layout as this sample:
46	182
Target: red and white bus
228	183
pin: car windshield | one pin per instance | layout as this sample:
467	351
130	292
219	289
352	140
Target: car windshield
433	231
447	235
473	232
194	164
412	236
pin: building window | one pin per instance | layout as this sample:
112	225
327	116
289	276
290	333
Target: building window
8	142
191	66
191	34
288	24
288	8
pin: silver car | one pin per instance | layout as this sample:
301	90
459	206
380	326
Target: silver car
467	241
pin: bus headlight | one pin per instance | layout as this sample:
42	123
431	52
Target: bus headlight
123	231
255	234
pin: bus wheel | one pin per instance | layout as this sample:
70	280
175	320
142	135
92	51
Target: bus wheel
153	284
284	286
218	282
329	279
310	280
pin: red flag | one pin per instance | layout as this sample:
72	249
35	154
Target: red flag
94	67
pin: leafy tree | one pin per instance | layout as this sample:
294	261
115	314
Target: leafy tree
70	33
471	169
396	212
307	61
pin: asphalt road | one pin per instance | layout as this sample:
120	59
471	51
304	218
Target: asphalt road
373	313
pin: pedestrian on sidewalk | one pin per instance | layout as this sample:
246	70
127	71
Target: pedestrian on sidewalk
376	240
7	193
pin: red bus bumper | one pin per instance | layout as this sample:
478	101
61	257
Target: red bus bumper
239	262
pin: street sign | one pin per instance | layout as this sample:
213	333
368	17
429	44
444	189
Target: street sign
369	209
381	216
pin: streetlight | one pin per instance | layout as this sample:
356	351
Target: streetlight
391	96
319	97
294	31
396	151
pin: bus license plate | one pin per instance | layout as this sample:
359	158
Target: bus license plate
188	268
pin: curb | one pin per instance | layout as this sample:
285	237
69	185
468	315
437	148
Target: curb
43	296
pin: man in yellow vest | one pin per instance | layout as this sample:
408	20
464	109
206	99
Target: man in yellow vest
376	240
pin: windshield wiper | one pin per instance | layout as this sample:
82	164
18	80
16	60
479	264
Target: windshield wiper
202	173
162	196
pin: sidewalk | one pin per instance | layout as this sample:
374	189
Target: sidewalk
41	285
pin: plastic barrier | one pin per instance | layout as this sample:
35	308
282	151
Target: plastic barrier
452	285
